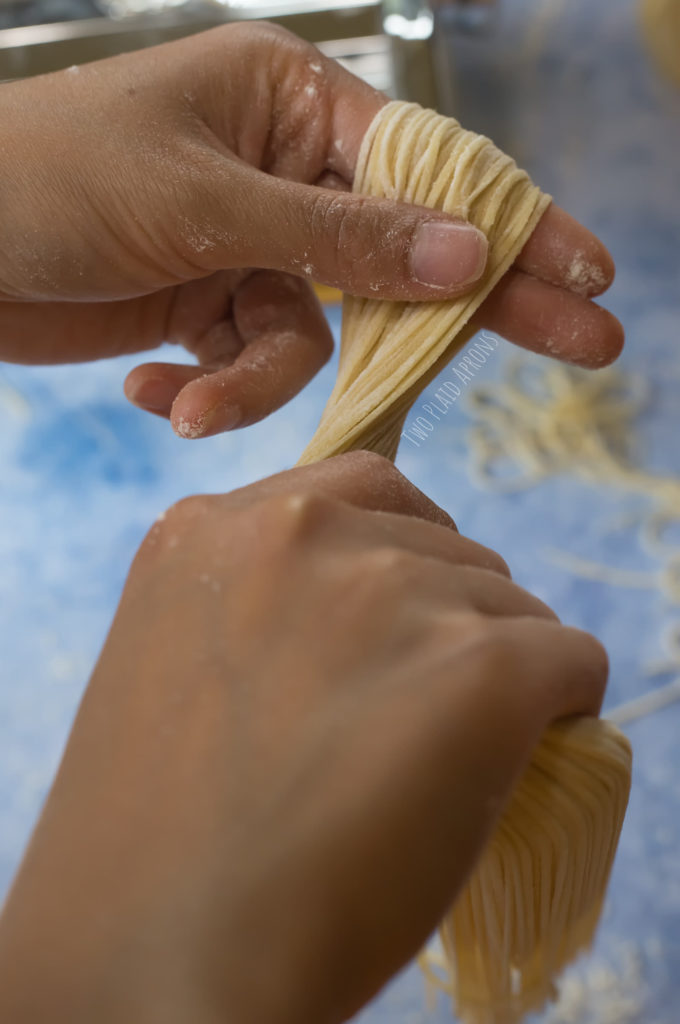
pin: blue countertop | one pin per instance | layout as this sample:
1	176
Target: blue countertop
572	94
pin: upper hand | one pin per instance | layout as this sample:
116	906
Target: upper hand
139	193
313	702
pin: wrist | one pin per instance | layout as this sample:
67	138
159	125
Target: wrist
96	959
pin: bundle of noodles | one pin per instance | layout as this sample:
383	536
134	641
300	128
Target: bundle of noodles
535	898
536	895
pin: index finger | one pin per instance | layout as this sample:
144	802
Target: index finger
560	251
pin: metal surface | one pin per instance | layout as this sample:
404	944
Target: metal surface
350	31
41	48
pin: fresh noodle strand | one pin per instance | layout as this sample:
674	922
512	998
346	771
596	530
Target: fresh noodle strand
391	350
534	900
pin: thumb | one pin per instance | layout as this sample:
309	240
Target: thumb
372	247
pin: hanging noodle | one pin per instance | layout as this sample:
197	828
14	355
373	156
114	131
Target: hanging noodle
534	900
536	895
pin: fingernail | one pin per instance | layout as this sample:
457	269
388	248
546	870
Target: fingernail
191	427
154	394
207	422
446	255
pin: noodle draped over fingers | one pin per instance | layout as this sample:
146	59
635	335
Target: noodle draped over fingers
390	351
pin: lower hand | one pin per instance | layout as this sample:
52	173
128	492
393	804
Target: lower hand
311	707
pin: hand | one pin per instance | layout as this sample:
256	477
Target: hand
139	193
313	701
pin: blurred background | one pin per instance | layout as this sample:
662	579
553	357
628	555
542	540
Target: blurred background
584	99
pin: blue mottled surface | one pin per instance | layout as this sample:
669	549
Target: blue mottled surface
83	474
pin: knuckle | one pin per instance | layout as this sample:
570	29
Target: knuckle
292	518
245	33
268	30
597	655
377	466
175	525
341	226
466	627
390	490
482	557
393	563
496	563
187	511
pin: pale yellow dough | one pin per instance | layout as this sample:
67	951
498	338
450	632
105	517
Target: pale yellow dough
391	350
535	897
